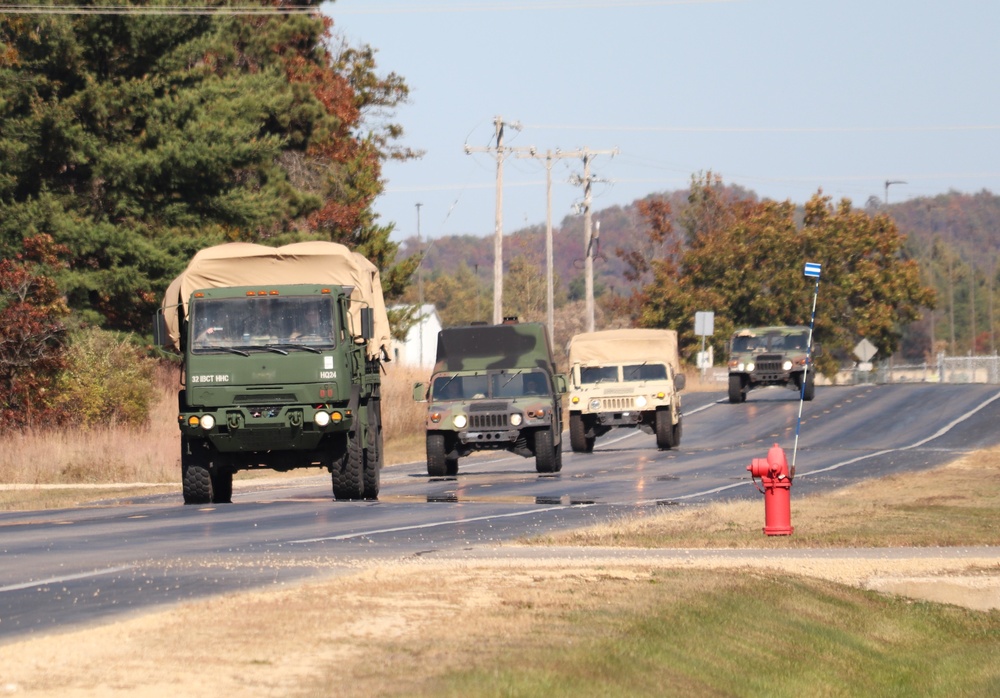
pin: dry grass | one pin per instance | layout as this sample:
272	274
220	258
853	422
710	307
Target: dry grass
952	505
117	456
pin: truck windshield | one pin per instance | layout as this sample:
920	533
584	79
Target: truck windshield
598	374
645	372
494	384
264	322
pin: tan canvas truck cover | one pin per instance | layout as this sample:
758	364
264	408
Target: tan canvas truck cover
624	346
250	264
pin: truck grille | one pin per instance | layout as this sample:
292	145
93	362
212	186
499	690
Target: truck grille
768	363
258	398
616	404
487	421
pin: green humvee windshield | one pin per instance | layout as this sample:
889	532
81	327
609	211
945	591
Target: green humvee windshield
795	341
492	384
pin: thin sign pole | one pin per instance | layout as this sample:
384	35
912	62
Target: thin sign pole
811	270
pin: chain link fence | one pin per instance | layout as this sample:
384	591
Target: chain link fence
945	369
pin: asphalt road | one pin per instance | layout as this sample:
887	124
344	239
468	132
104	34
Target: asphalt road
65	567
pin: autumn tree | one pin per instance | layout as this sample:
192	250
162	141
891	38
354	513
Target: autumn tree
31	332
743	259
135	140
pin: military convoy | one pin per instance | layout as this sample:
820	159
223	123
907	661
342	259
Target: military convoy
493	387
762	356
624	379
282	350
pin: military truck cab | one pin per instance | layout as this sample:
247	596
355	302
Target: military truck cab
762	356
626	378
494	387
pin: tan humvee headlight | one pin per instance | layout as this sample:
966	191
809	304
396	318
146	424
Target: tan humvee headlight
595	404
640	401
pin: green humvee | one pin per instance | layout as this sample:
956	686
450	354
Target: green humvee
493	387
761	356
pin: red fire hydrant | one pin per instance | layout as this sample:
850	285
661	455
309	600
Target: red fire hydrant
777	484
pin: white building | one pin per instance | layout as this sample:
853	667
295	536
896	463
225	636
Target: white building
420	346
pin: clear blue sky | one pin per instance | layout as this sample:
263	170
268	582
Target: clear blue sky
783	97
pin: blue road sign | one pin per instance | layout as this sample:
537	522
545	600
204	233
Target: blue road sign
812	270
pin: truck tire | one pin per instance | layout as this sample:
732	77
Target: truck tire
664	430
438	465
348	471
222	484
736	392
810	390
196	480
373	456
677	433
578	440
546	460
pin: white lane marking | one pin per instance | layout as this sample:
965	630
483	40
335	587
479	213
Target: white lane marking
66	578
434	524
940	432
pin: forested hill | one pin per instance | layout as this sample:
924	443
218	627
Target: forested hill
966	226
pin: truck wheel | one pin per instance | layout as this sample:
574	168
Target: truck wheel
664	430
545	451
810	391
437	464
196	480
348	472
578	440
677	433
222	484
736	392
373	456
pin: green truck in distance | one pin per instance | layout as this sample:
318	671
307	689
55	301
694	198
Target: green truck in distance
627	378
493	387
762	356
282	351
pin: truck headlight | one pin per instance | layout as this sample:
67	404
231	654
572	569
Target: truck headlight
640	401
207	422
460	421
321	419
515	420
595	404
750	367
741	366
787	366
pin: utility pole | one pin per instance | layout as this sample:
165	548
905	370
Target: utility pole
887	183
588	239
549	303
501	153
420	287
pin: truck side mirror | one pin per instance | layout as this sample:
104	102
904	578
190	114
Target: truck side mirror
161	336
367	323
561	383
680	380
420	392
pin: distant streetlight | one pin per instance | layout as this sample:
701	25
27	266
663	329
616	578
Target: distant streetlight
887	183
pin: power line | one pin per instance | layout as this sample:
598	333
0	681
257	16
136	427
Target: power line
22	9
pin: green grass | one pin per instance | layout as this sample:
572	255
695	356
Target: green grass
697	633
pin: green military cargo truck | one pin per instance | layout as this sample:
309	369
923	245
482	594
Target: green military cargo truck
282	351
493	387
627	378
762	356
